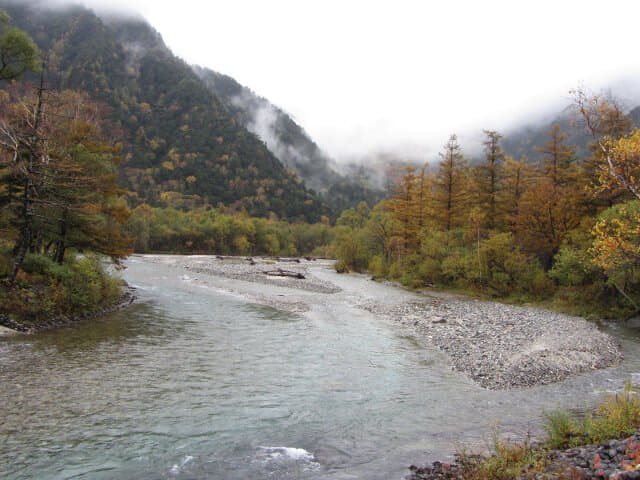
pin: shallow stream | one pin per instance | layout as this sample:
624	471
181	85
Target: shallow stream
192	382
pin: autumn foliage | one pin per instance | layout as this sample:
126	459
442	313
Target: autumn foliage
556	227
59	195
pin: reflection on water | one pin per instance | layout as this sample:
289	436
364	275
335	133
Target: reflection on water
188	383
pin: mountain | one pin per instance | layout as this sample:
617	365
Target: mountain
522	141
183	146
290	143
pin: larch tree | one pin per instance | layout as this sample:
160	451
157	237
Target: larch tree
450	186
555	203
488	180
518	176
557	158
402	206
423	199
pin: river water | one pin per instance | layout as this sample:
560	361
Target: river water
194	383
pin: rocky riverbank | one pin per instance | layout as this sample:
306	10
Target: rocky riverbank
593	462
503	346
9	327
498	346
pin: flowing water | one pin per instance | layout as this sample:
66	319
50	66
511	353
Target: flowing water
192	383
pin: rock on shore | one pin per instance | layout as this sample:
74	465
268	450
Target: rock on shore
606	460
503	346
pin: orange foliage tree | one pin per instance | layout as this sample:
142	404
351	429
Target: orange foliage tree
58	173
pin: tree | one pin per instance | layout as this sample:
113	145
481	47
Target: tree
555	203
557	158
401	206
488	179
518	176
58	173
614	165
18	53
450	192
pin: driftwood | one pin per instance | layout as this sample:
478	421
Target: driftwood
284	273
232	257
284	259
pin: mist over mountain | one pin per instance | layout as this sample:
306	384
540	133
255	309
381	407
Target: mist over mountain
183	145
192	135
523	140
343	185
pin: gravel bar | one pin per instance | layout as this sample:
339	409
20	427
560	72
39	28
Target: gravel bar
503	346
498	346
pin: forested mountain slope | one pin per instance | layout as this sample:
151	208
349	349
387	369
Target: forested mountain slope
182	145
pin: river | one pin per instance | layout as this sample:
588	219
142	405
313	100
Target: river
192	382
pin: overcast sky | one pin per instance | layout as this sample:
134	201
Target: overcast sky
362	76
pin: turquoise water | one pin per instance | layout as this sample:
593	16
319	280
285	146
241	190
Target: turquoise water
190	383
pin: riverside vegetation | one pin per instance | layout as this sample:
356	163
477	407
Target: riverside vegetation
58	191
575	449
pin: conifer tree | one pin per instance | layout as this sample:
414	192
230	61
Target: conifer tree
557	158
555	202
488	180
518	176
402	206
450	186
58	175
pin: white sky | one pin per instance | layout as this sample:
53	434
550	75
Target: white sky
362	76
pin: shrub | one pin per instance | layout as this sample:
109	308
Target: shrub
378	267
563	431
573	267
46	289
38	264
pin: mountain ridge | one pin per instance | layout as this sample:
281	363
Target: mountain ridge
182	145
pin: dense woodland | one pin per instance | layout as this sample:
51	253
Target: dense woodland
561	228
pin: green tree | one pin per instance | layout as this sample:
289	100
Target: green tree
18	53
58	175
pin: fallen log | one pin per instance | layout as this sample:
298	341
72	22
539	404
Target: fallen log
284	273
285	259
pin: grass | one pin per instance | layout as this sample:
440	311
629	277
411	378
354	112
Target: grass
617	417
508	461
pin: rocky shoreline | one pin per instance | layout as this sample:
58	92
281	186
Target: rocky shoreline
504	346
127	298
605	460
498	346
